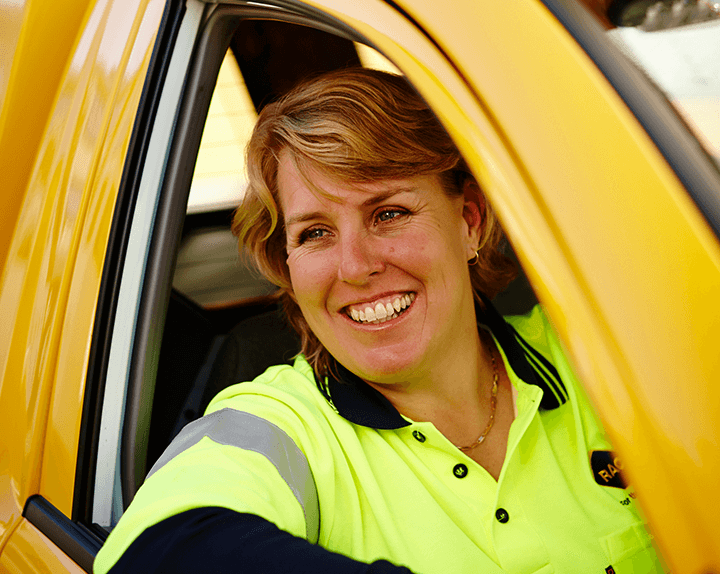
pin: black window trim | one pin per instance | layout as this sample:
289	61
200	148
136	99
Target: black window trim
79	542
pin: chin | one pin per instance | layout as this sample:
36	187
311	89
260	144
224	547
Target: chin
381	366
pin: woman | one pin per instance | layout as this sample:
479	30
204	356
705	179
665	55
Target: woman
419	429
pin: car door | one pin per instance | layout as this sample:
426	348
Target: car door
82	78
605	195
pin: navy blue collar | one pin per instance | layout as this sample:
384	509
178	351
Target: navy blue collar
361	404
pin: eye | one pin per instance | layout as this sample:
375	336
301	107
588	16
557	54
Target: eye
312	234
389	214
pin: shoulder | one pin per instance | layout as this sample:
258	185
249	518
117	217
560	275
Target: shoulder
536	356
291	385
544	350
533	327
251	453
285	396
538	340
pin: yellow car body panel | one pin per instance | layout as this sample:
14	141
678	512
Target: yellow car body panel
58	202
31	73
124	72
621	257
23	399
31	552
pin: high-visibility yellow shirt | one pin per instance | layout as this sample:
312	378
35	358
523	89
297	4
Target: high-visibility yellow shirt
356	477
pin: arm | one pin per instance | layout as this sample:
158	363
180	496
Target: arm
219	541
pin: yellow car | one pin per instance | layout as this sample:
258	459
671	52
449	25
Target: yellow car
121	133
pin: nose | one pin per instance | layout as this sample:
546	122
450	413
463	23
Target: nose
360	258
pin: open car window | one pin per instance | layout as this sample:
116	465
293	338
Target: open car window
201	312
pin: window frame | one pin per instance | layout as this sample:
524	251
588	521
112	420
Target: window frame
131	229
213	39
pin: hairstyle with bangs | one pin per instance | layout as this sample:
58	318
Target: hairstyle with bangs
355	125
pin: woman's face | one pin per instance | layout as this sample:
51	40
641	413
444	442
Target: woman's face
380	270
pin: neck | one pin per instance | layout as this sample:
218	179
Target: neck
454	390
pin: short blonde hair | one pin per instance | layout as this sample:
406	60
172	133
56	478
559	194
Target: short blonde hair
355	125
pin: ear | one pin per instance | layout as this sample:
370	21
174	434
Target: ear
473	214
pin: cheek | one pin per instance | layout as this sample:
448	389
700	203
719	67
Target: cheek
422	250
310	275
436	259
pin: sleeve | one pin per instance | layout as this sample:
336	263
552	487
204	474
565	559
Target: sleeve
219	541
228	459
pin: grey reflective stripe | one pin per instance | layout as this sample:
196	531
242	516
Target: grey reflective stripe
249	432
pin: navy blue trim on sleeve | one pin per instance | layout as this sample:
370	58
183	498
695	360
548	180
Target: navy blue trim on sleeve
221	541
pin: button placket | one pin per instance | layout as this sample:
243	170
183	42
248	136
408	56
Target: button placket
511	525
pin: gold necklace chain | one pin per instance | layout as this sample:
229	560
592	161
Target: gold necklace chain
493	404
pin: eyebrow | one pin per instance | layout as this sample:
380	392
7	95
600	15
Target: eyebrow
303	217
374	200
385	195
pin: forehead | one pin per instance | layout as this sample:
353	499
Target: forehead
298	188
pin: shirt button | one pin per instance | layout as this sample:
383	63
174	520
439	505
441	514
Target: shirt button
460	470
502	515
420	437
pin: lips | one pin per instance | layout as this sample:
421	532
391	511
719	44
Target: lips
380	311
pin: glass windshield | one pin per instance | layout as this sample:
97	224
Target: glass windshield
677	44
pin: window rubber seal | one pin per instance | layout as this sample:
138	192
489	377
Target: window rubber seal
76	540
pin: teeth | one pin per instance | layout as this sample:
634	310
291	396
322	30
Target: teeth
382	313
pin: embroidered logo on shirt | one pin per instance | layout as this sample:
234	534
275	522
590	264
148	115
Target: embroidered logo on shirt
610	570
606	467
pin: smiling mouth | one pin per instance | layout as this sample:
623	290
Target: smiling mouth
381	311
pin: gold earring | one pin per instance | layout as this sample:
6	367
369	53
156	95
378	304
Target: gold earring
475	258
